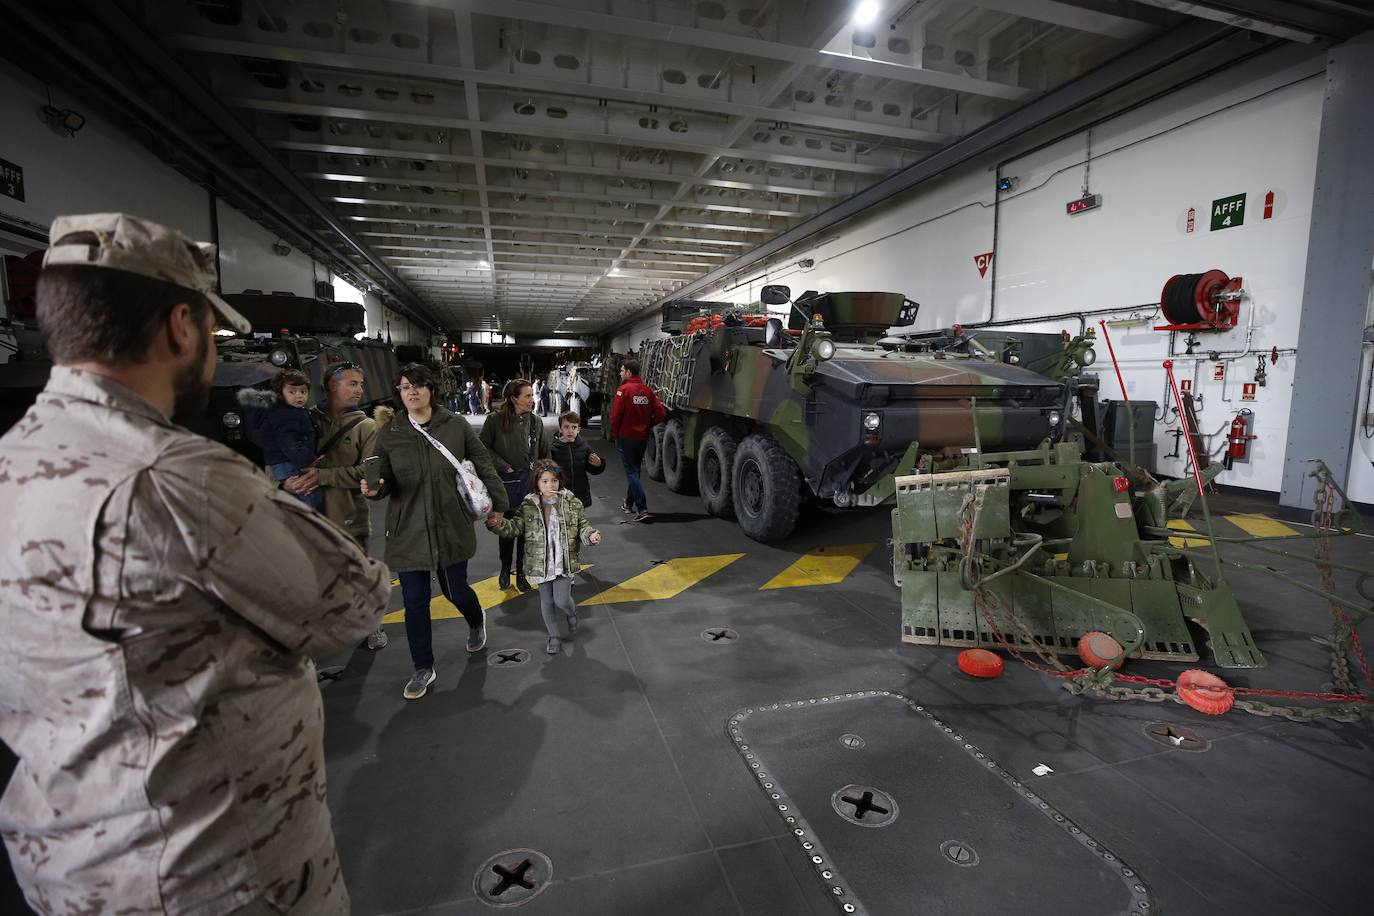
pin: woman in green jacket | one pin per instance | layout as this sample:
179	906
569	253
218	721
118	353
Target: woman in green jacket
429	530
516	437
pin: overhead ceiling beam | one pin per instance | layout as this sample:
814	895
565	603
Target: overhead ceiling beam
1305	22
572	17
557	87
564	167
528	127
468	57
1144	59
539	191
137	42
1072	16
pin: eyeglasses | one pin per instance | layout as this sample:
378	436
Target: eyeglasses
406	386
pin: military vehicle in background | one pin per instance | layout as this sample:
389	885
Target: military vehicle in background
762	413
578	386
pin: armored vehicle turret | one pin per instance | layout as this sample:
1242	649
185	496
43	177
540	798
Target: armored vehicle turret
762	415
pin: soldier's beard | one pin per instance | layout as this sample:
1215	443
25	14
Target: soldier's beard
192	388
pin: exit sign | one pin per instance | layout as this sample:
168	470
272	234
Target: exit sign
1086	202
1228	212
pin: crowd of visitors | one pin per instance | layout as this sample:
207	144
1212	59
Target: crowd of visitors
168	597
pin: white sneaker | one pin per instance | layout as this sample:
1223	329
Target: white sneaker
419	683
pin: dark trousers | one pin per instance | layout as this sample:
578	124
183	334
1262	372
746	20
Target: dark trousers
632	456
509	546
415	592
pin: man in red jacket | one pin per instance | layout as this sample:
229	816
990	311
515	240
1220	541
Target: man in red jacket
634	412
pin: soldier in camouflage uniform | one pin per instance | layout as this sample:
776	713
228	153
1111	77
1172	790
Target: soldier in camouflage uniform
160	600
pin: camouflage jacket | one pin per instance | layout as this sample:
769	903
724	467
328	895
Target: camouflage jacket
527	521
160	601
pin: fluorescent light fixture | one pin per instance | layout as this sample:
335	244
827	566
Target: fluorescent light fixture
483	265
866	12
226	332
571	318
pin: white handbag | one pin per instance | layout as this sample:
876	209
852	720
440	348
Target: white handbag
472	493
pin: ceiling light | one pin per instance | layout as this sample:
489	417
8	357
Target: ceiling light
483	265
866	12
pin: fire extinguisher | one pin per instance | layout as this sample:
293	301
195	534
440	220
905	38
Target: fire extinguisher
1238	439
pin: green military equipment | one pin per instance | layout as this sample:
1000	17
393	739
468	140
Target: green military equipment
764	413
1038	547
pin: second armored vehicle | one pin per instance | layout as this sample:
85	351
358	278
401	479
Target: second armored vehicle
762	416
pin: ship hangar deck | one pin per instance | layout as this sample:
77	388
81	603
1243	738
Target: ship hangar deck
619	769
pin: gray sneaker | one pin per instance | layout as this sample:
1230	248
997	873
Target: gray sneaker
554	645
477	639
377	639
572	625
419	683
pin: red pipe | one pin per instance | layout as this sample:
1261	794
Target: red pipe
1112	350
1187	433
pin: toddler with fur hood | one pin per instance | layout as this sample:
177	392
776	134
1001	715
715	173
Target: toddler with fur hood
279	422
554	526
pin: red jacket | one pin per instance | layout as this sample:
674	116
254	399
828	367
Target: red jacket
635	410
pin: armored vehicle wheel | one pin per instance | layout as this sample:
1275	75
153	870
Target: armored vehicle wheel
653	454
715	471
679	470
767	485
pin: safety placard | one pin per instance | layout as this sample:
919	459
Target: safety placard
1247	391
1228	212
983	262
1219	372
11	180
1186	386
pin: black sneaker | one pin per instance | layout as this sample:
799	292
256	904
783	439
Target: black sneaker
419	683
643	515
477	639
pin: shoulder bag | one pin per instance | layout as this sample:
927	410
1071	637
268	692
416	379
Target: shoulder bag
472	493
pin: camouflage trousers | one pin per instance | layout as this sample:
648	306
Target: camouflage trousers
319	891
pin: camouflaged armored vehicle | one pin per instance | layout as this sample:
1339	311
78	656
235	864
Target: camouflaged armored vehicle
763	415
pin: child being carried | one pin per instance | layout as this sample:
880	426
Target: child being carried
279	422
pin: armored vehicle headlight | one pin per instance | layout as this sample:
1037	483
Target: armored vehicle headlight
279	358
825	349
1054	418
232	420
872	421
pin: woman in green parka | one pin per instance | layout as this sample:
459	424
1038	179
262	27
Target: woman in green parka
516	437
429	530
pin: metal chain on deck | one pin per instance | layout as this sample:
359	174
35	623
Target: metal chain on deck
1109	684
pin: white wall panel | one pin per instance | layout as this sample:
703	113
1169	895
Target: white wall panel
247	260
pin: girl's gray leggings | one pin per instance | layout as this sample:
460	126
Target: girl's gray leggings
555	595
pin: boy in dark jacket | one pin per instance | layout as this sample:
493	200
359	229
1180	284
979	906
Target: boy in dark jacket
575	457
280	423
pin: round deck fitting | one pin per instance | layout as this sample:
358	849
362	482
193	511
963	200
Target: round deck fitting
512	877
507	658
864	806
1176	736
959	853
719	635
853	742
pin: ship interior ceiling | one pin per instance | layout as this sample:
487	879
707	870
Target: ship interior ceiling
1004	544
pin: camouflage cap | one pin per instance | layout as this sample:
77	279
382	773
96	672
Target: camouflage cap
122	242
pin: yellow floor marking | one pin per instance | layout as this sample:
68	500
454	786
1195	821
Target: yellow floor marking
665	580
489	595
395	583
822	566
1179	524
1260	526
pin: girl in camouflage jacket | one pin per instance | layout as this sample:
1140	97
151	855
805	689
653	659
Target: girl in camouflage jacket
553	525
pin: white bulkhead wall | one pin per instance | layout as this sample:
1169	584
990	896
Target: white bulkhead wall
1250	130
103	169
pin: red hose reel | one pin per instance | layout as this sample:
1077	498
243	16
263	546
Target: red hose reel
1207	301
